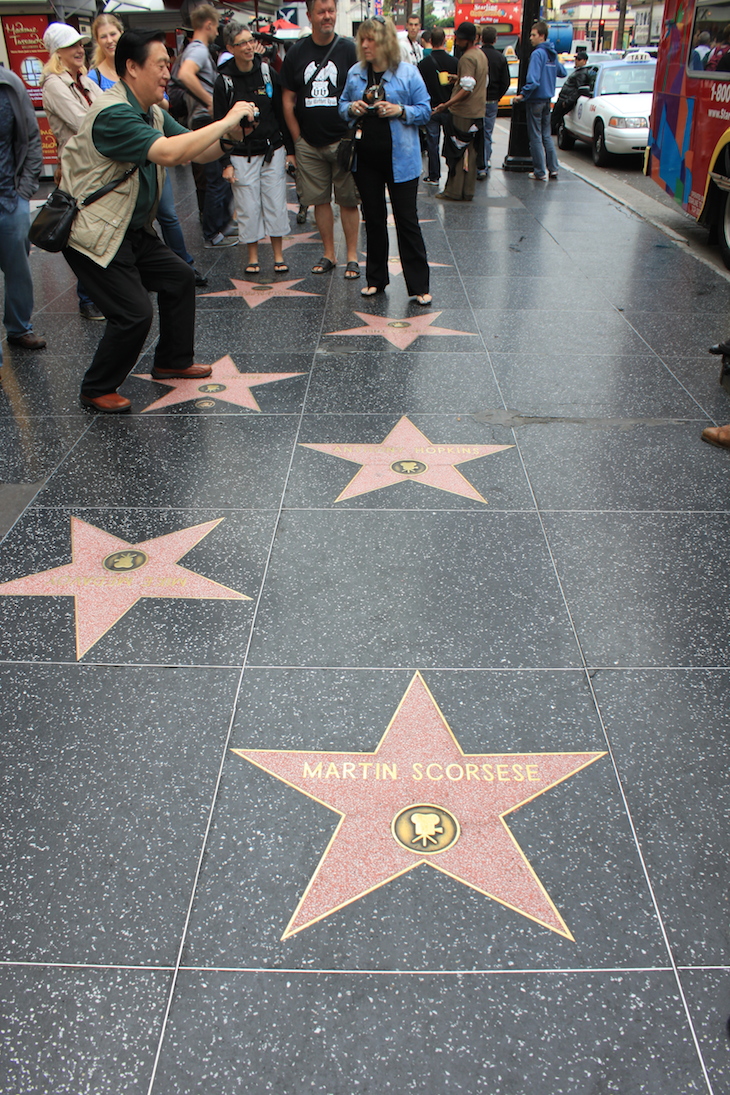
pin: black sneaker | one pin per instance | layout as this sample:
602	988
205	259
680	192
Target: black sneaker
302	215
90	311
200	279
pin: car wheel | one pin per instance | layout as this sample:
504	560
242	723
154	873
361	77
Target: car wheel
600	155
566	140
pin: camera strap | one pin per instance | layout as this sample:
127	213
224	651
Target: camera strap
324	60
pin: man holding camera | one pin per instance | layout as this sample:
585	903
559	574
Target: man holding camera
126	139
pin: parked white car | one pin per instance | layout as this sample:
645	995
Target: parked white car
615	118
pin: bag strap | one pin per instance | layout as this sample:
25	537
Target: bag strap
109	187
324	60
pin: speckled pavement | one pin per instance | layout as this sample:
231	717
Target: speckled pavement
365	708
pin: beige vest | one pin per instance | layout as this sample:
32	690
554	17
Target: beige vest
99	229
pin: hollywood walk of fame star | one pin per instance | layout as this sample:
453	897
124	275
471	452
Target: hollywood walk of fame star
295	238
108	576
395	266
406	453
225	383
400	332
256	292
418	799
421	220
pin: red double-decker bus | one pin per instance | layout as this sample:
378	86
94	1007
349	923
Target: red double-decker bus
689	144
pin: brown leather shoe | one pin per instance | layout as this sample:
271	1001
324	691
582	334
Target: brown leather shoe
717	435
28	341
113	403
193	372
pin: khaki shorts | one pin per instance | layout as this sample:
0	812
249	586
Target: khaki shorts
317	171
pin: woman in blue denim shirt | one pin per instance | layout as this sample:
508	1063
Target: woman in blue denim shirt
387	100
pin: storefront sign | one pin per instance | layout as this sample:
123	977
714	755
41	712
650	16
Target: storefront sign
26	52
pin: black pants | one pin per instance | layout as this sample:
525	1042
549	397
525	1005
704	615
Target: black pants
372	179
142	265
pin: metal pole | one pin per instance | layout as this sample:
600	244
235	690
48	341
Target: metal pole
621	23
518	156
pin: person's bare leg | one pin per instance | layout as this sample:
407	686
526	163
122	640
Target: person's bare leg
277	249
253	254
350	217
325	220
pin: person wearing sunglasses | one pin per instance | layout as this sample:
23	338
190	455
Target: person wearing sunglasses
386	101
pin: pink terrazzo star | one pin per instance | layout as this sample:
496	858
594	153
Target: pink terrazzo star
406	453
400	332
224	383
395	266
421	220
295	238
419	800
256	292
108	576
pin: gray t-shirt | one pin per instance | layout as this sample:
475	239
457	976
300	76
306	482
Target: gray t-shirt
199	53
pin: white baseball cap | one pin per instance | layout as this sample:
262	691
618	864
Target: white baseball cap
60	35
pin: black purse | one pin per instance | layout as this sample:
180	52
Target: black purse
347	148
52	226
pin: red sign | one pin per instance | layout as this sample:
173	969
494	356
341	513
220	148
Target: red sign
48	142
26	52
507	17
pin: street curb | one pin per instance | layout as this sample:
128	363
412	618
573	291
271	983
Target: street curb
676	237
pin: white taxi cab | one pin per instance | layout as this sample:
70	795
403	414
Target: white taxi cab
615	118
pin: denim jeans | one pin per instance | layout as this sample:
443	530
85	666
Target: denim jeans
490	117
169	224
14	248
218	198
433	136
541	141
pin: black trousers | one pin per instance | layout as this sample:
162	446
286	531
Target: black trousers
372	179
142	265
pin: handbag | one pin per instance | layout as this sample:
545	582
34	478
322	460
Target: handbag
347	148
52	226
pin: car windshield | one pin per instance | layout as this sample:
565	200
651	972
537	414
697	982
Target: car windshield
569	70
628	80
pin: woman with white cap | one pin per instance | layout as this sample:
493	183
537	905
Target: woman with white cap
67	95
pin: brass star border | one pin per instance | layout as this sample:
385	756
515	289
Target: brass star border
418	799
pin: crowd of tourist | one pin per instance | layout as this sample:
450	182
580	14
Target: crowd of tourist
349	120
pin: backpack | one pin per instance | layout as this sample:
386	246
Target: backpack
716	56
176	94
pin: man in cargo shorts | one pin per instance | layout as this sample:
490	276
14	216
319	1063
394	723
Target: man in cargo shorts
313	78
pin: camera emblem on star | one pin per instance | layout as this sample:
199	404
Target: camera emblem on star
408	467
425	829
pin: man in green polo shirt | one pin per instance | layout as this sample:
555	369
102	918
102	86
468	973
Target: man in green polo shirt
113	247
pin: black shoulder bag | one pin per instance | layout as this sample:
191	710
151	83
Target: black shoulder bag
52	226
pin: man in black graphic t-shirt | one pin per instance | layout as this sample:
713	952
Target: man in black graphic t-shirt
313	77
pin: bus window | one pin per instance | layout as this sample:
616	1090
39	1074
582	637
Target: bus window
709	55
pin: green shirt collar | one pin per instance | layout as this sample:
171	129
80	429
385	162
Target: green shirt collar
134	103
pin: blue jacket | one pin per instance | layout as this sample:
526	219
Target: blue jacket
542	71
404	86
